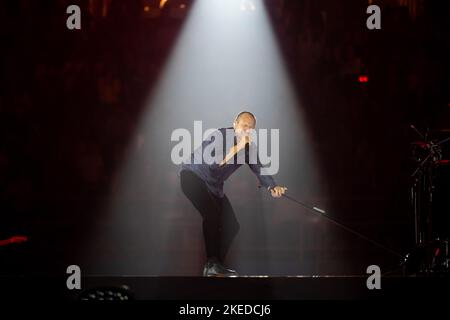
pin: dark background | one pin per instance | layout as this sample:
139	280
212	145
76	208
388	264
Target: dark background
71	100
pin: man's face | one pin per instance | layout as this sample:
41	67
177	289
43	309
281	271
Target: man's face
243	125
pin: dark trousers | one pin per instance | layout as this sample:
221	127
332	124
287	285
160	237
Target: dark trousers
220	225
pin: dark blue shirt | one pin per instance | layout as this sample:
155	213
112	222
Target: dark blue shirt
215	175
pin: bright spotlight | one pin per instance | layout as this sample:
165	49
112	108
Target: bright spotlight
222	61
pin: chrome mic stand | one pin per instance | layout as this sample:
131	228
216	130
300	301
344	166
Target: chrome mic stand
423	259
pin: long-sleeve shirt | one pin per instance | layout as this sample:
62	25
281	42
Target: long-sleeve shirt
214	175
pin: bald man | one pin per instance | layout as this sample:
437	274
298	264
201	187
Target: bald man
202	183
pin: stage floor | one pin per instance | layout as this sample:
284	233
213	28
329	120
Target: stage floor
240	288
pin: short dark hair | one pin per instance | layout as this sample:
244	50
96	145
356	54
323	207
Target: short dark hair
245	112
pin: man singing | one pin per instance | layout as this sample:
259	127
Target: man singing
202	183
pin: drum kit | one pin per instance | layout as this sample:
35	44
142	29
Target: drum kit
430	203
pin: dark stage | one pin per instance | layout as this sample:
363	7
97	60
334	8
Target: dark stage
205	142
251	288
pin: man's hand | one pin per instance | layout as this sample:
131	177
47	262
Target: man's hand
235	149
242	142
278	191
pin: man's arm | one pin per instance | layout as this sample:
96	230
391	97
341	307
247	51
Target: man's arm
266	181
235	149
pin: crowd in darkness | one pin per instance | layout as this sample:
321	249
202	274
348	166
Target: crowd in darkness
69	100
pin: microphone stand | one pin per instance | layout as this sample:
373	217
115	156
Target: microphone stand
421	198
320	212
